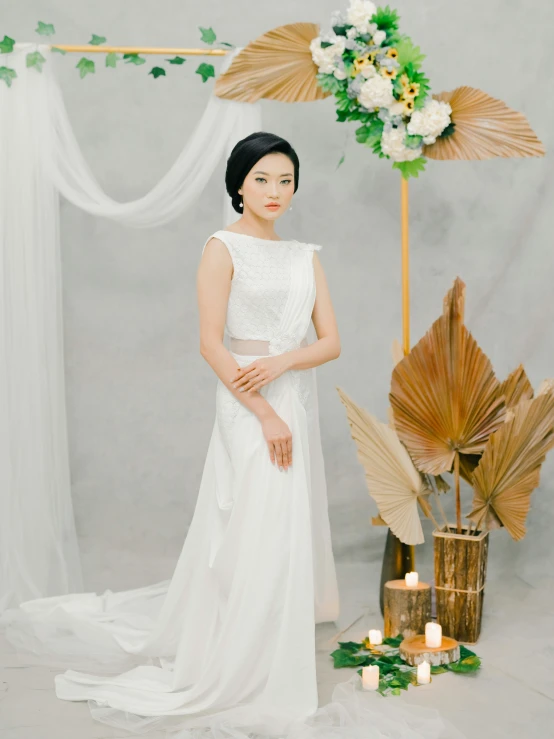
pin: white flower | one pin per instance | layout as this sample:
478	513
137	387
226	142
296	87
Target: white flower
326	58
430	121
392	144
379	37
369	71
340	74
352	32
359	14
376	92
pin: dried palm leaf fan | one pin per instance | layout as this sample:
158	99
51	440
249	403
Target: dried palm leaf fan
484	127
393	481
445	397
277	66
509	469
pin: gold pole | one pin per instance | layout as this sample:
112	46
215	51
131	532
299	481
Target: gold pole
405	283
405	267
88	49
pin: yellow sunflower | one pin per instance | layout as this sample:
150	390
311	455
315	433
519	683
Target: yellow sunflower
389	74
408	106
392	53
361	62
404	81
411	90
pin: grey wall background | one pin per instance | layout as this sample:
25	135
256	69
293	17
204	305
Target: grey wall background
141	398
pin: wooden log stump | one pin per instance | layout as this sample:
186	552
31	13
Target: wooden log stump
460	572
407	610
414	651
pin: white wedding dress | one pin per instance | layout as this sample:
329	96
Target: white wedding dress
226	648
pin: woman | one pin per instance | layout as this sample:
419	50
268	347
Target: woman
230	639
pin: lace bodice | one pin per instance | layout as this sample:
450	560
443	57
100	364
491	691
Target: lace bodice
262	279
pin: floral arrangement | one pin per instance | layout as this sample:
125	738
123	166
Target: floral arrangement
375	75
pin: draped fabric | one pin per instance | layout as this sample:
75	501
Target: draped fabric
39	159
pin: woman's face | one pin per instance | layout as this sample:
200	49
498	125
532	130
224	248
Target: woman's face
269	182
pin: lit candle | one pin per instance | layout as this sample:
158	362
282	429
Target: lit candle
412	579
370	677
424	673
433	635
375	637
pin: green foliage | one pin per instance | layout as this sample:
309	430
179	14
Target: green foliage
85	66
386	19
157	72
6	45
7	75
176	60
341	160
448	131
134	59
408	53
97	40
111	59
395	674
411	169
35	59
206	70
328	82
45	29
208	35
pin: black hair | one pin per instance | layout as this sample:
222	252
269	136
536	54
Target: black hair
247	152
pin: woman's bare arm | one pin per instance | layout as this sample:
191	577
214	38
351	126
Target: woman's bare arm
327	346
213	284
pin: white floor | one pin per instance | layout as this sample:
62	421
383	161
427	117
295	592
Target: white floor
512	696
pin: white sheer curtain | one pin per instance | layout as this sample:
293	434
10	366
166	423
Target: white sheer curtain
40	158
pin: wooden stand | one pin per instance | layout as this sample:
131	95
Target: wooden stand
407	610
460	572
414	651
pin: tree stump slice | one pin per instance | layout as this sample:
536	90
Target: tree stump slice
414	651
407	610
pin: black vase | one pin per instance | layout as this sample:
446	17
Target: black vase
398	559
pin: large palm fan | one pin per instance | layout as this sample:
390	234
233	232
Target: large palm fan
393	481
444	394
509	469
277	65
484	127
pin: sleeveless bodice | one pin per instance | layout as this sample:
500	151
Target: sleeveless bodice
263	276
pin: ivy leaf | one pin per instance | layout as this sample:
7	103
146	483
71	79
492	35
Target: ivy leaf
438	669
411	169
157	72
45	29
408	53
7	75
85	66
6	45
97	40
60	51
392	641
176	60
134	59
208	35
350	646
345	658
35	59
111	59
206	70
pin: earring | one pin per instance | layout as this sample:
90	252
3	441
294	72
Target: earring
240	204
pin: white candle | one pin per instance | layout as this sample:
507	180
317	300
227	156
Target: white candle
433	635
424	673
375	637
412	579
370	677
